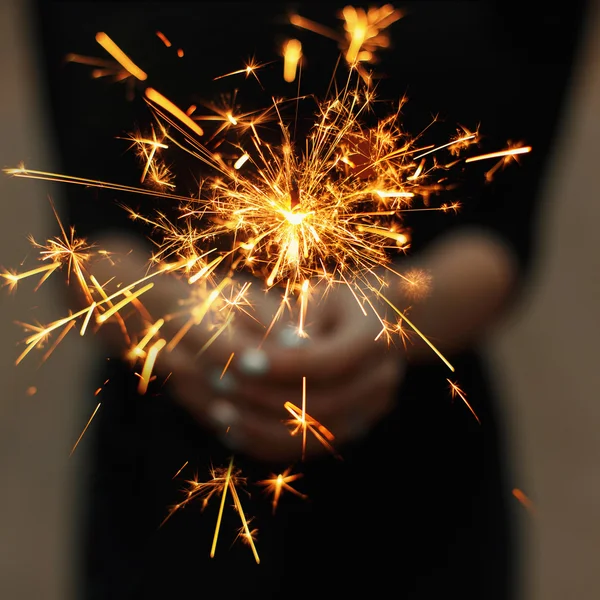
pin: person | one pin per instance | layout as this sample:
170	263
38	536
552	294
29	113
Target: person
418	500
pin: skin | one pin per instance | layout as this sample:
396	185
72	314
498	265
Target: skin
352	380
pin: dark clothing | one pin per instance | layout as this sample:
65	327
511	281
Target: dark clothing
419	508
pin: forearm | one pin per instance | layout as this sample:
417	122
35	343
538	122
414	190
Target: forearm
473	274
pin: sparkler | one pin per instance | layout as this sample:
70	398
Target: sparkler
325	212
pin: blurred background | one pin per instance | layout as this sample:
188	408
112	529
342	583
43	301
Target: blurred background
545	352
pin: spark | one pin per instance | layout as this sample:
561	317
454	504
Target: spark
501	154
292	53
85	428
250	69
221	507
163	38
241	161
119	305
12	279
302	421
167	105
227	365
149	365
107	43
183	466
523	499
278	483
223	481
364	31
456	391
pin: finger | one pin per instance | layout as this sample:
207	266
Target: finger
323	402
348	347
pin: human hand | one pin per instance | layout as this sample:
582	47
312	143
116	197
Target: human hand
351	380
235	380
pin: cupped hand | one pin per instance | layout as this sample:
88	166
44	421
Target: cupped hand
236	380
350	379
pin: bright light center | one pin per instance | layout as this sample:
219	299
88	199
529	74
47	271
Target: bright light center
295	218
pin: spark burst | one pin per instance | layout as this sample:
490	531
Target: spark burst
223	481
327	210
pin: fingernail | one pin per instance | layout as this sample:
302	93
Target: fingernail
291	338
254	362
223	383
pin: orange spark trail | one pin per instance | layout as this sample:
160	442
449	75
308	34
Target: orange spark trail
183	466
501	154
120	56
222	506
85	429
227	365
292	53
523	499
456	391
165	103
163	38
149	365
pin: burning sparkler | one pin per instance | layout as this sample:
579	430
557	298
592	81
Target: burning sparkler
328	211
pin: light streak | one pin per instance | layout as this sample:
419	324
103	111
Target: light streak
241	161
302	421
167	105
524	500
85	429
501	154
213	548
183	466
456	391
227	365
120	56
149	365
292	53
163	38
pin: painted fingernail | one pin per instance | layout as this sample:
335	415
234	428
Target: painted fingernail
254	362
291	338
223	383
